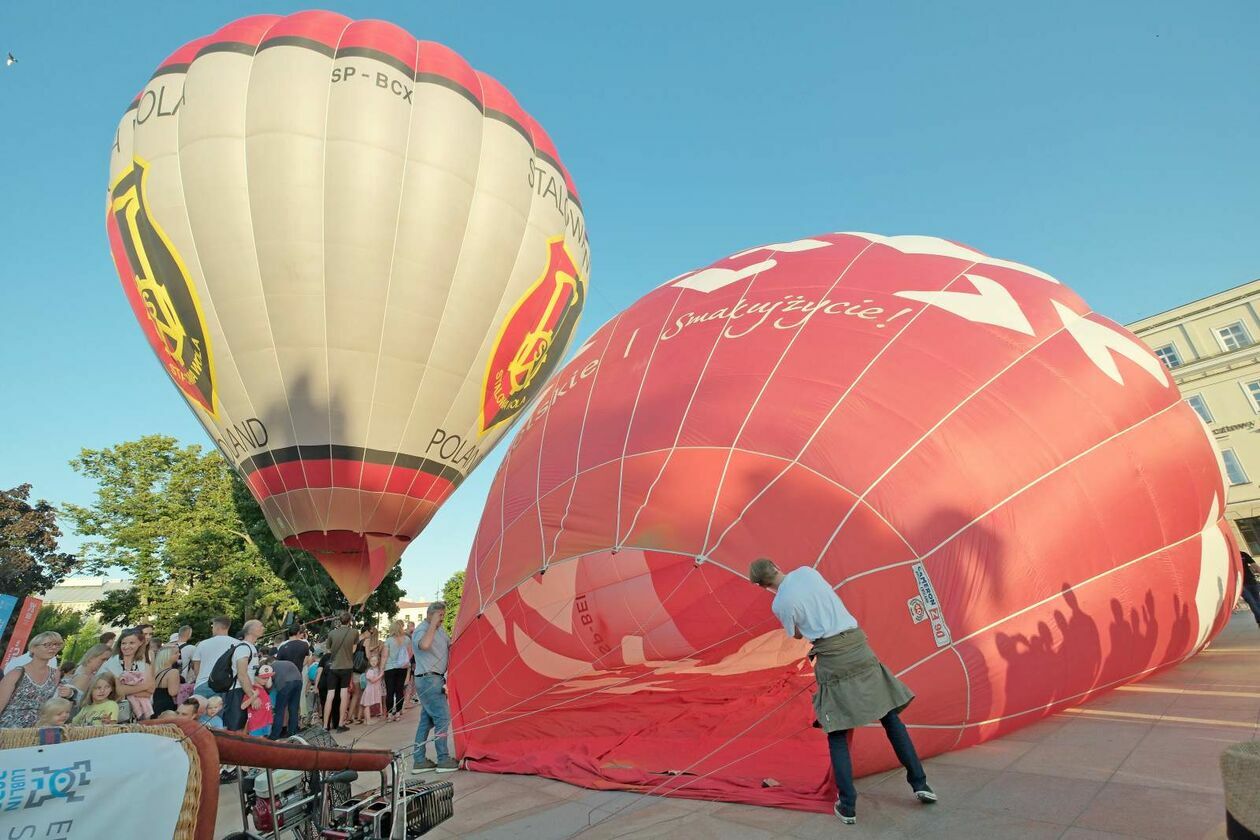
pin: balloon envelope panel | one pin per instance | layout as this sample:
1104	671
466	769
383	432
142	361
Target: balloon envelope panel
356	257
1003	486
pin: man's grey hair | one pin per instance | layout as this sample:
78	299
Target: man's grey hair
762	571
252	625
434	607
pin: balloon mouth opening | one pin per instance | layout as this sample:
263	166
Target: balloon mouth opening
357	562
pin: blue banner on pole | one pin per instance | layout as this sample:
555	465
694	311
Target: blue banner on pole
7	603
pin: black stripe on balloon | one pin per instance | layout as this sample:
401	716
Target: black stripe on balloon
556	165
511	122
297	41
449	84
228	47
169	69
383	57
341	452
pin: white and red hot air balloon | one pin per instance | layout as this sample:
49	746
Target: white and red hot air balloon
1005	488
356	257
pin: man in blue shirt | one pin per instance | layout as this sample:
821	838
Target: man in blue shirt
432	653
854	687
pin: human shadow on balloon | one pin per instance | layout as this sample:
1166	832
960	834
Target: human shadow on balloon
1060	658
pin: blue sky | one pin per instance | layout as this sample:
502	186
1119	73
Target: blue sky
1110	144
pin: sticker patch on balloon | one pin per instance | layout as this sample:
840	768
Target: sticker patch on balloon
533	337
930	605
160	289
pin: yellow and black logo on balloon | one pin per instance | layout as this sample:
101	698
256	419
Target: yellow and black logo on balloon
160	289
532	339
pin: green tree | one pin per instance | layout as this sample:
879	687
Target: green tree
78	644
61	620
168	516
452	594
29	560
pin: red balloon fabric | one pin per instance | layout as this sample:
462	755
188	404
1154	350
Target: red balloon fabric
1004	487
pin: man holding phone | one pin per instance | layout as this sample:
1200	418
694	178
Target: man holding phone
432	653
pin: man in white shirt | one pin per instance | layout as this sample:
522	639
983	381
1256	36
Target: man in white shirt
208	652
244	692
854	687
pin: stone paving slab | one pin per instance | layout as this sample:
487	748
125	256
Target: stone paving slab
1140	762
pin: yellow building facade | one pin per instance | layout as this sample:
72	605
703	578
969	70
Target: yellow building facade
1212	348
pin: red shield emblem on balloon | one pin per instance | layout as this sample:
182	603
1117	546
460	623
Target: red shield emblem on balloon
532	337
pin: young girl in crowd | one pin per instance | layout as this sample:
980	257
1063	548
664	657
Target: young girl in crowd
372	685
213	717
55	712
260	717
102	705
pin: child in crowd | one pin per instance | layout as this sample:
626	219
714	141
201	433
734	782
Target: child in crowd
141	706
260	717
102	705
55	711
169	714
372	686
213	717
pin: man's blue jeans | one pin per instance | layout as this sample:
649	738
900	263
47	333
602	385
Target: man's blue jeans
901	744
435	714
1252	597
287	709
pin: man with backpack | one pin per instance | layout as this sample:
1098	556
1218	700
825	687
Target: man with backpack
341	642
233	676
207	653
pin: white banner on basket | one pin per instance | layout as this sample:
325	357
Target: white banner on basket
126	785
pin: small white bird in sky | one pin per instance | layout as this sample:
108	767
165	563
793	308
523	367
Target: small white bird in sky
10	61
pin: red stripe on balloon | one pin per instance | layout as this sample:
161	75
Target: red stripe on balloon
353	475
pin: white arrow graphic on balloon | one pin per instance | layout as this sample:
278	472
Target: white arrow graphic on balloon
711	279
991	304
1100	341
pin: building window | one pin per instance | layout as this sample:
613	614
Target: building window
1233	337
1200	406
1233	467
1252	390
1169	356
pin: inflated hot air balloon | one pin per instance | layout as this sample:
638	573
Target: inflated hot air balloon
356	257
1003	486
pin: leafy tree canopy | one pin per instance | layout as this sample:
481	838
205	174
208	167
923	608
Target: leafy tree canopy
452	594
195	543
29	560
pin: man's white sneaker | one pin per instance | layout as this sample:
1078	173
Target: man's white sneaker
926	795
848	816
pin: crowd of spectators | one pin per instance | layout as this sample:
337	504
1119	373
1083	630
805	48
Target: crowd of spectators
348	677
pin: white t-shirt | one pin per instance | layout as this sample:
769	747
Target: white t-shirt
208	652
114	666
24	659
246	651
186	651
806	602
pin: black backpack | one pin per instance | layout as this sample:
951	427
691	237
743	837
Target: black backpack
360	662
223	675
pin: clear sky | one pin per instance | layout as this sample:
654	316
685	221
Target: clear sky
1112	144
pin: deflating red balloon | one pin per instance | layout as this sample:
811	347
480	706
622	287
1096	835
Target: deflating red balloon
1003	486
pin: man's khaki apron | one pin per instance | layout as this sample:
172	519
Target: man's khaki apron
854	687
